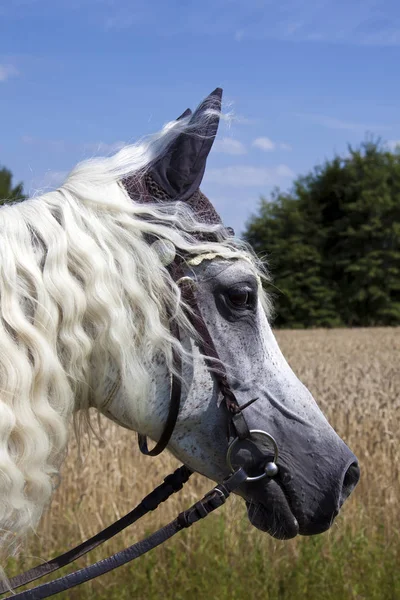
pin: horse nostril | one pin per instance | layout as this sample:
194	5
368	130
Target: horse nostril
350	481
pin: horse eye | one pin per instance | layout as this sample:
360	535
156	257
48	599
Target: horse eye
238	298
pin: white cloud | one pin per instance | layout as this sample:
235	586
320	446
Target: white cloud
235	211
393	144
333	123
47	182
267	145
264	143
7	71
53	145
119	21
27	139
103	147
359	22
99	148
241	120
239	35
229	146
246	176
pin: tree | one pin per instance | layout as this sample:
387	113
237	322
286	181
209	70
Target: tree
333	242
282	232
8	193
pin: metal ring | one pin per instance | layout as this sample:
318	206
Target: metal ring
236	440
185	279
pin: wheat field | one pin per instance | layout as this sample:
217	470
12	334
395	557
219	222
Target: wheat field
354	374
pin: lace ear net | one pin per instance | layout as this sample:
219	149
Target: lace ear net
178	173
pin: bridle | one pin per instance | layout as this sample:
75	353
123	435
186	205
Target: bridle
237	431
237	426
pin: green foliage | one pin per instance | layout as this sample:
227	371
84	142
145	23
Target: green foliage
8	193
333	242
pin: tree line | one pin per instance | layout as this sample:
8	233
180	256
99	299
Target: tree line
9	192
333	242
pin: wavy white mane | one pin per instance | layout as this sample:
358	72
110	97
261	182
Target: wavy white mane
79	287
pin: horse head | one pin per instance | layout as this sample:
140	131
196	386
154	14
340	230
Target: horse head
315	471
123	291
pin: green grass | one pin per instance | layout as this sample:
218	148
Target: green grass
223	562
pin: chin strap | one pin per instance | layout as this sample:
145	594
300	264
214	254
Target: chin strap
174	403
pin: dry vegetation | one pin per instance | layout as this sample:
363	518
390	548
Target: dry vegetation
355	377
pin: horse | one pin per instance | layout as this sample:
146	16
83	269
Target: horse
123	291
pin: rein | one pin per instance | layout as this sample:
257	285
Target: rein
172	483
201	509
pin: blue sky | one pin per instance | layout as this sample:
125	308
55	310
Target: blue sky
302	78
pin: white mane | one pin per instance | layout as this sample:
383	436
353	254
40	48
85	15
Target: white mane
80	286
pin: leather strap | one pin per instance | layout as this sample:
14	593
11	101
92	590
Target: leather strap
237	420
172	484
174	405
210	502
237	426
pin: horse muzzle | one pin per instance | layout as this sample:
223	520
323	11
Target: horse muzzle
288	494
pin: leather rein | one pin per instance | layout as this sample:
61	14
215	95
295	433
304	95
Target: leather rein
216	497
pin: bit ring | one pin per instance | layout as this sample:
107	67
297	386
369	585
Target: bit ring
264	473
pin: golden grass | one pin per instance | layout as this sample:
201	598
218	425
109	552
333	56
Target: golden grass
354	376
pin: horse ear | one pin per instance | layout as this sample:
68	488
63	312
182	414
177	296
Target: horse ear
187	113
180	170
